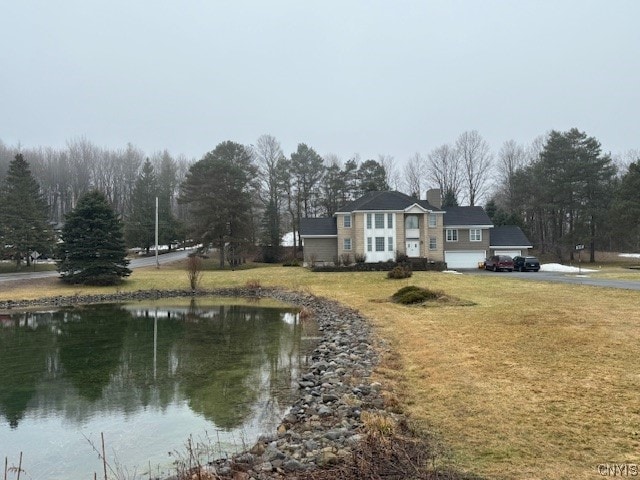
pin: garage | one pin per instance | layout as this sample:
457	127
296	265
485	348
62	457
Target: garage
511	253
464	259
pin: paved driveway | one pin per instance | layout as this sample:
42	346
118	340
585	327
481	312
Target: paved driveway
563	277
136	263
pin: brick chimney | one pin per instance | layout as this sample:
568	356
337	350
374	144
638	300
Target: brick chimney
434	197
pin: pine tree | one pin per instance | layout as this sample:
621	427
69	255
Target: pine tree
92	251
23	214
141	224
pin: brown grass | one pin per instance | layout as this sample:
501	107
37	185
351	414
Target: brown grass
536	380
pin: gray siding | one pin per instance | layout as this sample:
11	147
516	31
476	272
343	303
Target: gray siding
464	243
320	250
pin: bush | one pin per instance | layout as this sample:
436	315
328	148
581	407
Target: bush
291	263
399	272
360	257
411	295
346	259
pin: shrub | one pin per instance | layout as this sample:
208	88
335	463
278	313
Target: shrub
360	257
411	295
346	259
291	263
399	272
401	257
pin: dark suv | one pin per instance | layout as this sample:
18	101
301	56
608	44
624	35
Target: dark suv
499	262
525	264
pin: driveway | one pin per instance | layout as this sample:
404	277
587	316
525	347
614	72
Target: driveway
135	263
590	279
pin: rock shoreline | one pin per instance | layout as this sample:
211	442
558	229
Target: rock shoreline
324	422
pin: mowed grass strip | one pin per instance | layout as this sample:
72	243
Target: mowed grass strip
534	380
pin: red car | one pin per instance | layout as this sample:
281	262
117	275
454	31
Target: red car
499	262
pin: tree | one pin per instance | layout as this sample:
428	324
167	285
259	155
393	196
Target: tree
269	157
475	158
92	251
23	214
626	207
169	227
218	191
140	226
372	177
413	175
443	166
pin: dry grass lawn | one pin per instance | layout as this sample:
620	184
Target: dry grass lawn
536	380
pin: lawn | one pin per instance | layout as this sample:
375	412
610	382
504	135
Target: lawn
533	380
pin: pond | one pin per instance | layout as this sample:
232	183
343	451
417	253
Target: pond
149	377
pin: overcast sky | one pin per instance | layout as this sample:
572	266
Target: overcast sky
344	77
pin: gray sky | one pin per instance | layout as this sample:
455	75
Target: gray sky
345	77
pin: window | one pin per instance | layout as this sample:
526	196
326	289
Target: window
369	244
433	243
433	220
412	222
347	221
368	221
452	235
475	235
379	220
390	244
379	244
389	220
346	244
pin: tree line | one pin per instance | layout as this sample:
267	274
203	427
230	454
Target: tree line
561	189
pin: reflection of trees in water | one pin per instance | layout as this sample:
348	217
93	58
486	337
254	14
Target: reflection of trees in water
225	360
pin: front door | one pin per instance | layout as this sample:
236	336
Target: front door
413	248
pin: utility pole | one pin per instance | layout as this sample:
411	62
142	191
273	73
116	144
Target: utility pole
157	260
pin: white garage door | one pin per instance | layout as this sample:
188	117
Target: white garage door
466	259
511	253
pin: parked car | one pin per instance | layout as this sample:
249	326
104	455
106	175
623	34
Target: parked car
499	262
525	264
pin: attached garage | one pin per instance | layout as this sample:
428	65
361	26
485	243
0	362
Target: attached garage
464	259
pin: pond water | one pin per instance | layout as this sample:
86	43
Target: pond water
150	377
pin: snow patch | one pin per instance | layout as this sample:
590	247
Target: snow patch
557	267
452	272
629	255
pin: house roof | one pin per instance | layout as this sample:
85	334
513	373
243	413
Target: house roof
385	201
460	216
509	236
318	227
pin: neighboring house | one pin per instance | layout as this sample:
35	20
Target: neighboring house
380	224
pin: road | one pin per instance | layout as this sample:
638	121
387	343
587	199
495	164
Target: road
136	263
590	278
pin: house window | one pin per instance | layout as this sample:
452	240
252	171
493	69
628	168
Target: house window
379	244
368	221
346	244
433	243
411	222
369	244
452	235
389	220
347	221
475	235
433	220
379	220
390	244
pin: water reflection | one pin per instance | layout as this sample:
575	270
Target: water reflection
225	367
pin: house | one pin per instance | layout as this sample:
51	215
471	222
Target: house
378	225
509	240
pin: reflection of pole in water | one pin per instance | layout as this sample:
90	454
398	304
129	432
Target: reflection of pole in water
155	343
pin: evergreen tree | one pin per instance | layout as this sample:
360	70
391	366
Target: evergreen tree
219	193
140	226
23	214
92	251
372	177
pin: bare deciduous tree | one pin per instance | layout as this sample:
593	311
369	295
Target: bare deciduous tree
413	175
443	168
475	157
